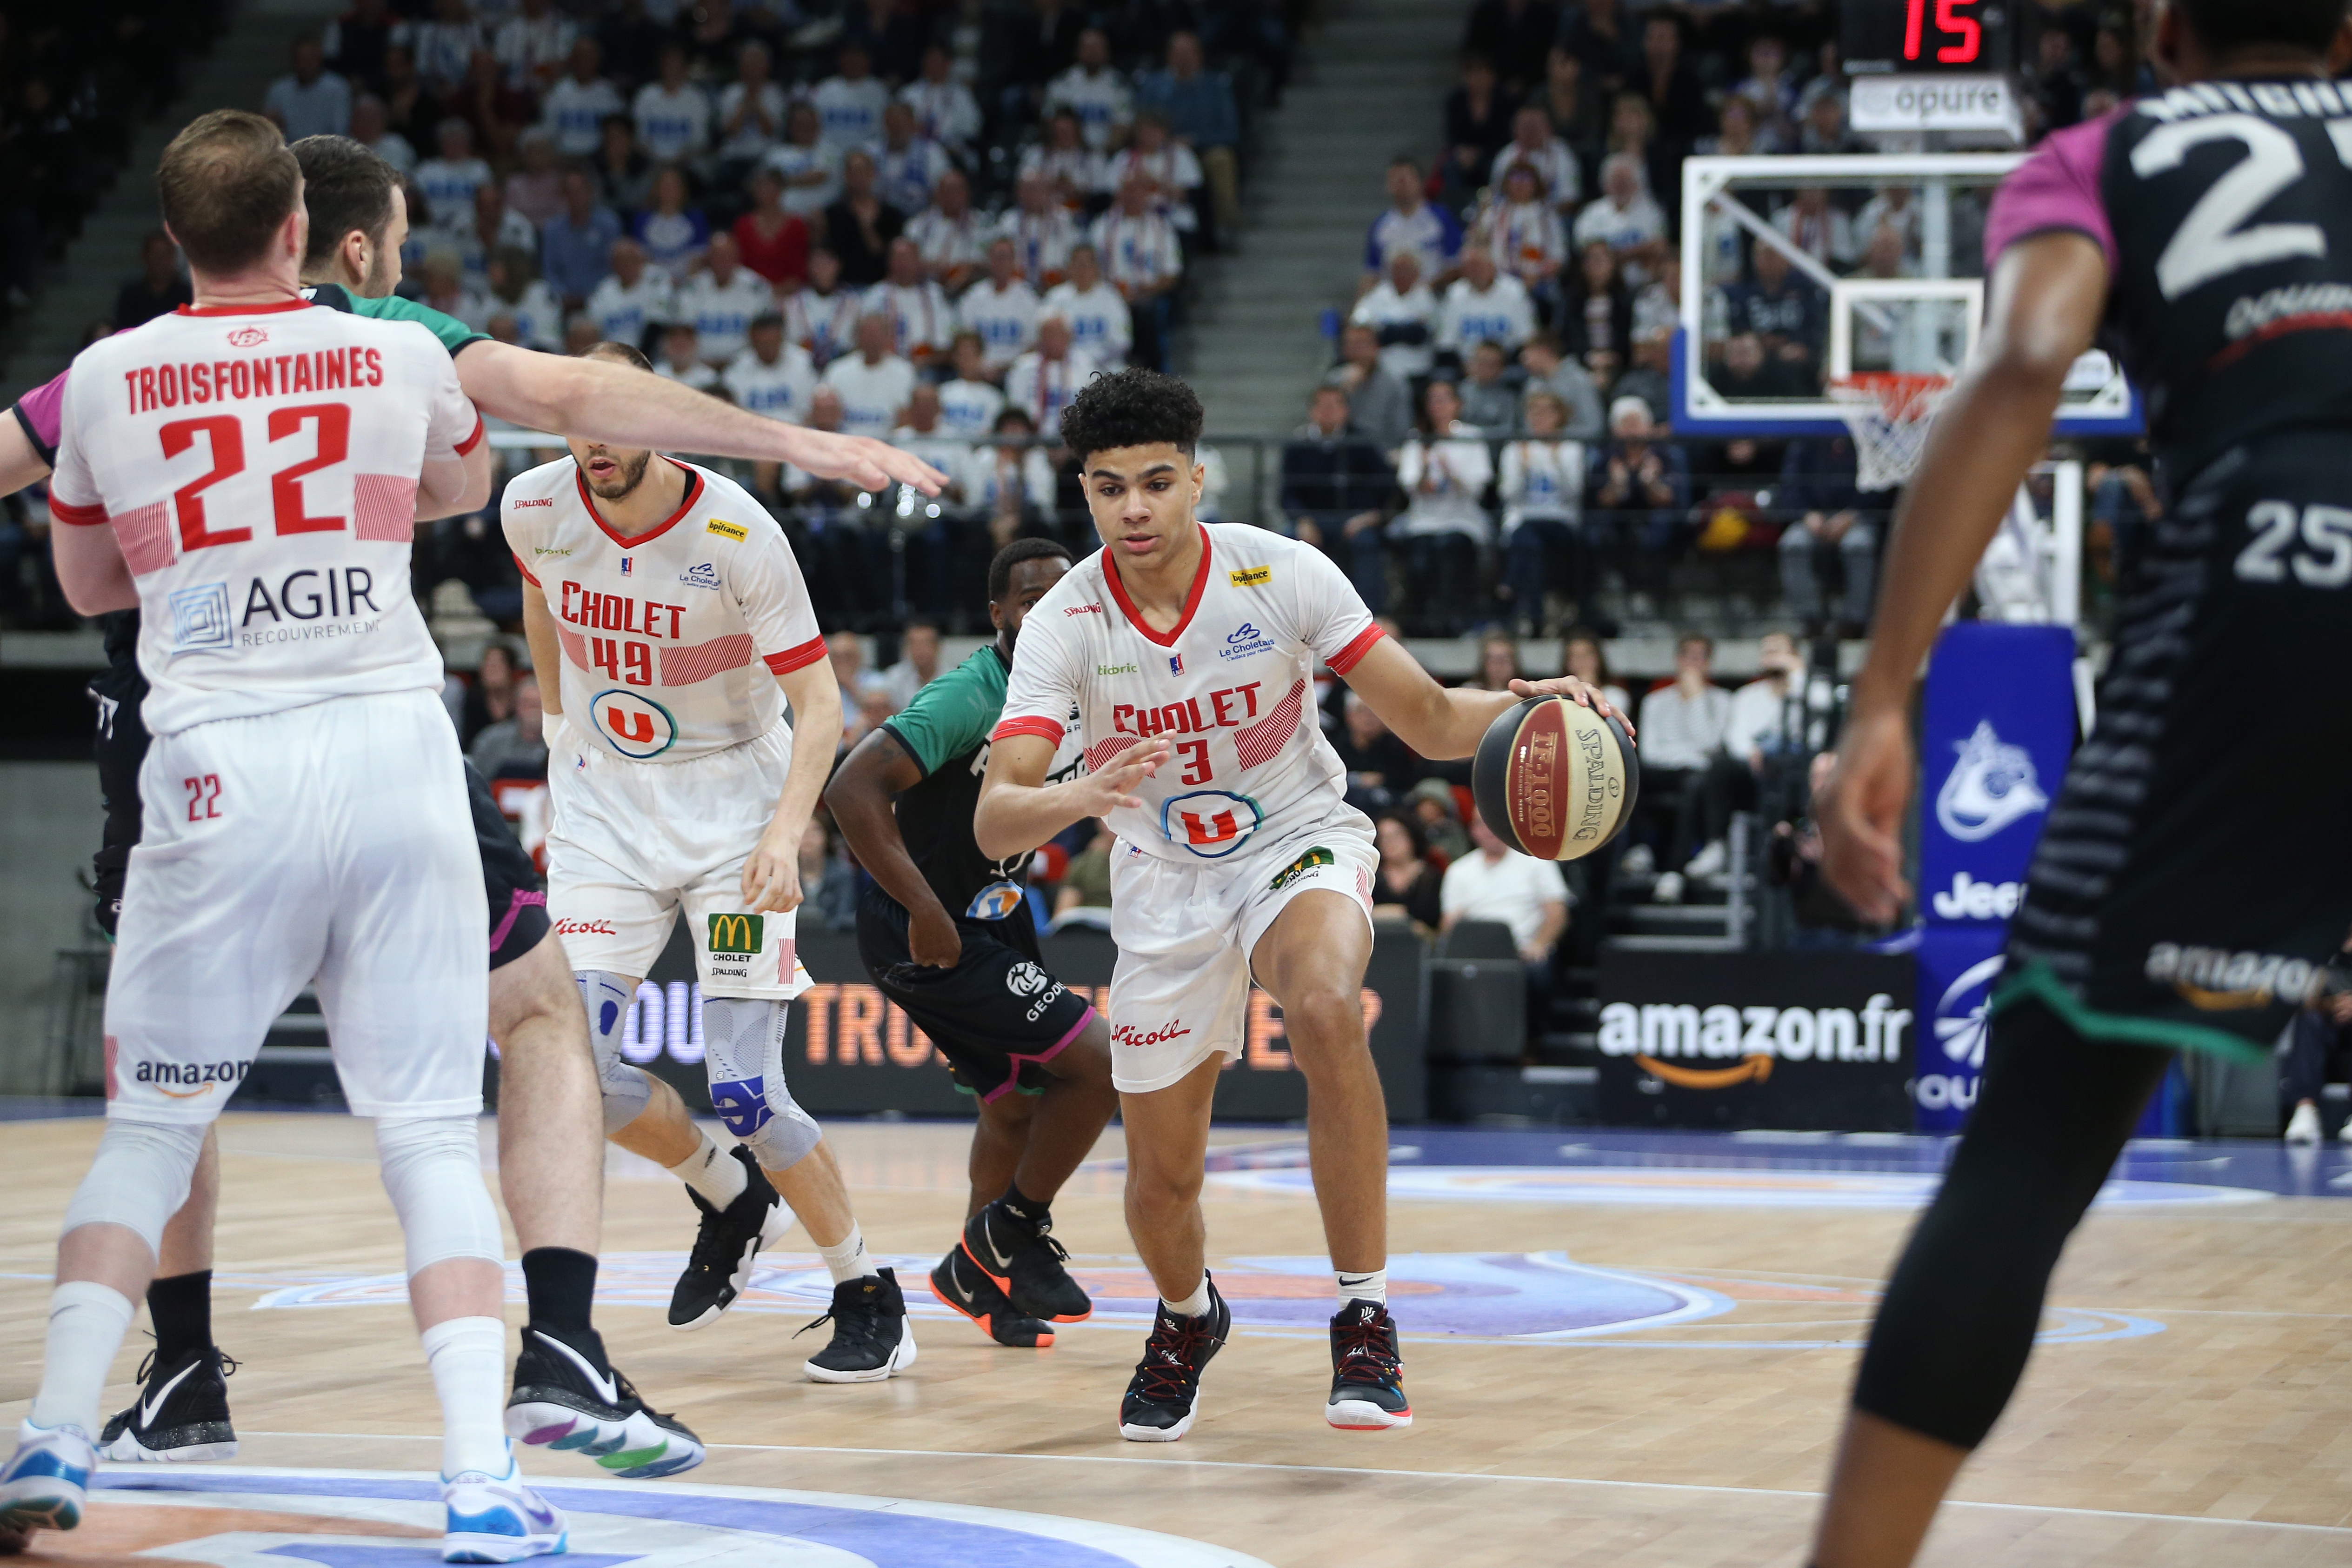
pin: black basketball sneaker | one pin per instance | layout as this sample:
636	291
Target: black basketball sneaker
1025	1261
567	1395
871	1336
960	1287
1164	1394
1367	1374
180	1414
725	1245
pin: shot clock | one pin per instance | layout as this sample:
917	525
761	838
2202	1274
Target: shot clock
1939	36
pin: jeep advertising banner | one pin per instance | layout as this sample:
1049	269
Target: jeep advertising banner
1816	1041
849	1052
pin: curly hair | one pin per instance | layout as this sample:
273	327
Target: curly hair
1131	408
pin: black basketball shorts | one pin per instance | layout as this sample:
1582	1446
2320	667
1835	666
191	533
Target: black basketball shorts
997	1016
2195	869
517	893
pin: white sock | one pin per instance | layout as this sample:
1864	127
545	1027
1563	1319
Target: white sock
1373	1286
1195	1305
713	1172
467	1356
845	1259
86	1322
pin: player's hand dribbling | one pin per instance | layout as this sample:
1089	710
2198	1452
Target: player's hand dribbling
1860	811
1575	690
1105	791
931	937
772	876
863	462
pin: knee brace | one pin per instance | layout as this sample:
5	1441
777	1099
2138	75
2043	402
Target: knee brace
623	1083
743	1052
433	1171
139	1178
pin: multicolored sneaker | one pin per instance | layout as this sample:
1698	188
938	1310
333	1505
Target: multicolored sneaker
1367	1374
960	1287
496	1519
44	1483
567	1395
1025	1261
1164	1394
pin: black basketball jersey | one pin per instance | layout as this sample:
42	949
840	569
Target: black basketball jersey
2226	211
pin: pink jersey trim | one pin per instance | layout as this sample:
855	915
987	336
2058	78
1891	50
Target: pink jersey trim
1348	658
1191	599
1043	728
2057	189
800	658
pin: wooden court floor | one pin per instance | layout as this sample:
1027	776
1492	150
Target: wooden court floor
2194	1407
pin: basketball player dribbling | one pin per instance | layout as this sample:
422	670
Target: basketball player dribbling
2196	867
1188	651
306	808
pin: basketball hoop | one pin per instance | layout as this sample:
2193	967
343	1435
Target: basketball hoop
1888	415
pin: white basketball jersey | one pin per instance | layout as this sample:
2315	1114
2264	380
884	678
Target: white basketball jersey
672	639
1231	686
258	466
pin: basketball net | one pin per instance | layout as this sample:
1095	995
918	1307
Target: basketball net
1889	415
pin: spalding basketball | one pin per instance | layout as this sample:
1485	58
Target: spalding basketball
1554	779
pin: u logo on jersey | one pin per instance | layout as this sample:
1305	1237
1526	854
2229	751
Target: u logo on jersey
1210	823
635	726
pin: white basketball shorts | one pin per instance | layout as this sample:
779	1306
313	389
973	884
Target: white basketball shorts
331	843
1184	933
632	844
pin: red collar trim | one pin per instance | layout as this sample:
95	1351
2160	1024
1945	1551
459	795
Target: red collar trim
243	309
1191	599
693	494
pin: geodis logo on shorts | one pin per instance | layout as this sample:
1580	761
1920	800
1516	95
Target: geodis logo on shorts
1027	979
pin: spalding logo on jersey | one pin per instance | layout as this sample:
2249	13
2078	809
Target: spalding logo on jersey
1992	785
1210	823
632	725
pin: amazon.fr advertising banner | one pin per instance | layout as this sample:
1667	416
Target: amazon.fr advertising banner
1806	1041
849	1052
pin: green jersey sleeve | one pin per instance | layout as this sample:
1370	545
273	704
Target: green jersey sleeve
953	714
454	334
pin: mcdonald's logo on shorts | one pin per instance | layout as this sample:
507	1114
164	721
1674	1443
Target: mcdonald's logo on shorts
736	934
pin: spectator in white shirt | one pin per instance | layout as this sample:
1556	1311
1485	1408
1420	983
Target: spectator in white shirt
371	127
536	189
922	433
1443	471
1009	483
772	376
1041	230
1529	896
1895	205
311	100
750	113
1814	226
1525	233
494	225
952	238
723	301
1758	728
1409	223
533	45
672	115
1484	305
922	321
969	401
575	108
1141	258
821	315
1093	92
1533	143
872	383
1682	727
944	109
1101	324
907	165
443	47
1402	314
809	165
681	358
849	103
1001	308
515	290
1042	382
447	183
1542	491
1064	161
918	662
1623	218
632	298
1166	167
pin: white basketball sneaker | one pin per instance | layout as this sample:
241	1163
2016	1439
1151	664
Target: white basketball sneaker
496	1519
2303	1127
44	1483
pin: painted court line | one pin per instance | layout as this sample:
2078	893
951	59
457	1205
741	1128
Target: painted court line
1677	1487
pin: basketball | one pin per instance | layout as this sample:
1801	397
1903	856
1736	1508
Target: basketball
1554	779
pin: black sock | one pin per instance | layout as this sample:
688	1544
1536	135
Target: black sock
182	1310
560	1284
1029	1211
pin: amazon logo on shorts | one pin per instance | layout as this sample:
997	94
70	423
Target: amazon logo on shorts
191	1080
2215	980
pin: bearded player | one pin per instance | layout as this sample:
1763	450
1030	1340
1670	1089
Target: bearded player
946	933
2190	884
672	605
1188	651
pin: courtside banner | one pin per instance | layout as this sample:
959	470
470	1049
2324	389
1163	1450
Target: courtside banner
1818	1041
1996	733
848	1052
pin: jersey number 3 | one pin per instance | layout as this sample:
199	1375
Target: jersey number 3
2215	237
223	434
